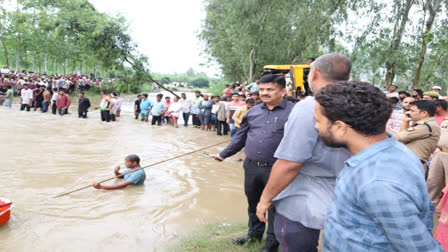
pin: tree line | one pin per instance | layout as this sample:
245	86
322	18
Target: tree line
401	42
67	36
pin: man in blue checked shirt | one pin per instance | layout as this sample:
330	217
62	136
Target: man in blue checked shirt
381	201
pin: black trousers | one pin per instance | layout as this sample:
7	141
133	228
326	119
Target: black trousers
222	127
105	115
255	179
54	108
196	120
157	119
23	106
82	114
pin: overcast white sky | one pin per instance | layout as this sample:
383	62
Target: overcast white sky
165	31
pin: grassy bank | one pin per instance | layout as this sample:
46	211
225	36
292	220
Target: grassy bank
217	237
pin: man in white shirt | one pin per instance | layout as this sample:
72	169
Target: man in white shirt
26	96
392	92
185	108
5	71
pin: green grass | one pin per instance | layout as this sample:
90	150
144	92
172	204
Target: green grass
217	237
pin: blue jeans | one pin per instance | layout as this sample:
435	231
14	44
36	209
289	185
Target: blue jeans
45	106
232	129
186	116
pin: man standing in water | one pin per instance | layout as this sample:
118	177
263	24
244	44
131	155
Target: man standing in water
205	110
145	107
137	109
132	163
9	96
47	100
186	108
303	177
158	109
260	133
105	107
26	97
381	201
54	98
83	105
63	102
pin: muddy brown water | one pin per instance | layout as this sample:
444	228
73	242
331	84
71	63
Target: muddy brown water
42	155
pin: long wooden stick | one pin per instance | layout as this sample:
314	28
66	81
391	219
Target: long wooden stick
141	168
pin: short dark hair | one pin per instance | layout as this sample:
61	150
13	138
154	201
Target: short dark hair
145	95
419	92
250	100
160	95
441	103
256	93
425	105
183	94
359	104
8	87
333	66
393	85
167	97
268	78
393	100
404	92
133	158
81	93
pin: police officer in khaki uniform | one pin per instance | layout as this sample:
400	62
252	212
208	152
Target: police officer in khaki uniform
423	136
438	169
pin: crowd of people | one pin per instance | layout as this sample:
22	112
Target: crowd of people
366	166
351	160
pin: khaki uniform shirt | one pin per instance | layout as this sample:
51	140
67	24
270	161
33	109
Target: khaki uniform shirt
422	138
238	115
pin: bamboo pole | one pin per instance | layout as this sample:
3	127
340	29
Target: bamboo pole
141	168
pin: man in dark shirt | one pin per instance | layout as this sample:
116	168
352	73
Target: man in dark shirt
83	105
260	133
137	109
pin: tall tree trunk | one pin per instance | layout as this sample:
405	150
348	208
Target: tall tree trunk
433	6
46	61
17	53
252	65
5	51
402	20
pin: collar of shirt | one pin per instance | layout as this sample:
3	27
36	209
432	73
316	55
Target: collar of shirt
423	121
281	105
370	151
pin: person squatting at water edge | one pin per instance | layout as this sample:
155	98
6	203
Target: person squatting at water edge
132	163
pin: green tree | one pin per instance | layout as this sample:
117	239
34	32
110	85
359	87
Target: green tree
200	82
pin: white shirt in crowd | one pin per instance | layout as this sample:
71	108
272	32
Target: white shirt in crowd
185	105
215	108
5	71
27	96
55	96
175	108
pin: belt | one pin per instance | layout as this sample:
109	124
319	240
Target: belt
261	164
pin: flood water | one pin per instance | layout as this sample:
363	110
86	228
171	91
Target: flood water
42	155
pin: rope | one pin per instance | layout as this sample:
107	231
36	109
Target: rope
141	168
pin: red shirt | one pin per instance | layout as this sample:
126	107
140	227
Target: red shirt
63	101
440	119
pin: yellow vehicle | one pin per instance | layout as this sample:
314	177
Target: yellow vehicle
297	73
